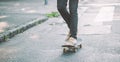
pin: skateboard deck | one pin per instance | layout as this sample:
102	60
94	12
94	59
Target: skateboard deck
70	48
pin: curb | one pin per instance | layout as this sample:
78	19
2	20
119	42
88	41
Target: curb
21	28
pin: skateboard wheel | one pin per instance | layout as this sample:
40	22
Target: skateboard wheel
80	46
64	50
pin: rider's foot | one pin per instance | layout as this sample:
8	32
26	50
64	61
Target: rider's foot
68	36
71	41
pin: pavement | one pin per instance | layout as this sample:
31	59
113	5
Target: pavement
98	28
42	43
18	16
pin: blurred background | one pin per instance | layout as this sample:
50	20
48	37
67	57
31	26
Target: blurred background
98	28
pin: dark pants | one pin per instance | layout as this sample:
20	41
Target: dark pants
71	17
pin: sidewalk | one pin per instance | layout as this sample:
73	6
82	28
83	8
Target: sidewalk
18	16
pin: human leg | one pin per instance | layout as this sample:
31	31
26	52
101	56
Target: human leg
62	8
73	5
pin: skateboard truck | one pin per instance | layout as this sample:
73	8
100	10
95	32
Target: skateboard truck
70	48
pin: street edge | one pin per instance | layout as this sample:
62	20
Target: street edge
21	28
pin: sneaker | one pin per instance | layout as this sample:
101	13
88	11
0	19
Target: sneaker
71	41
68	36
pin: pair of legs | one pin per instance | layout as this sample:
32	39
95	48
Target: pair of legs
71	16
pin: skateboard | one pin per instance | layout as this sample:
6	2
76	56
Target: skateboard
70	48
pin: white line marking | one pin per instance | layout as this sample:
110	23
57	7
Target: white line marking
105	14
